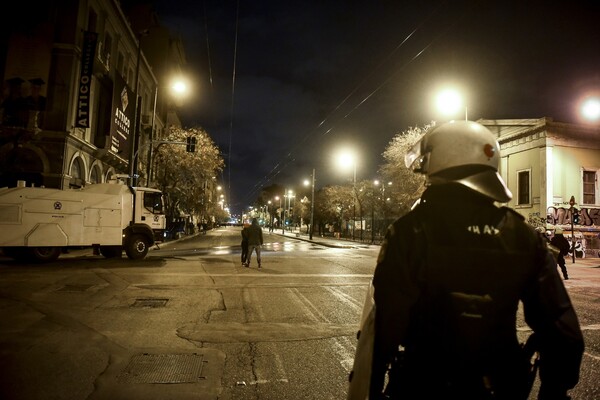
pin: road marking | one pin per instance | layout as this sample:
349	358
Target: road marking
341	346
263	381
345	298
253	275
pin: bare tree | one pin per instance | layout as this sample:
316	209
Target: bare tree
407	186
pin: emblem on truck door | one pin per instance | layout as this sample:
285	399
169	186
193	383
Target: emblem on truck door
57	205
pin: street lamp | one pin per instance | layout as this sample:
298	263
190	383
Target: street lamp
288	196
590	108
347	158
376	182
312	204
449	101
134	136
178	88
279	210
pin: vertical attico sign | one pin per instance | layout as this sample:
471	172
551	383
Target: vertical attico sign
122	117
88	52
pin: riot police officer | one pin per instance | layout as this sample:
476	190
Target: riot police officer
448	282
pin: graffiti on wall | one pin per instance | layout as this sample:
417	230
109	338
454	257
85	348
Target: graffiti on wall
536	220
558	215
579	217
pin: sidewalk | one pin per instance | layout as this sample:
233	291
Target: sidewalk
591	262
322	240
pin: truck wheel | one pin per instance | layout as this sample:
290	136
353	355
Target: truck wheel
44	254
111	251
137	247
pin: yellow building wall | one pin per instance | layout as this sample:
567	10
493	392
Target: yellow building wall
525	160
568	164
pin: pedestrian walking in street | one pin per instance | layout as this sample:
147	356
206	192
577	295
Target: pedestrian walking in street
245	244
562	244
440	316
255	241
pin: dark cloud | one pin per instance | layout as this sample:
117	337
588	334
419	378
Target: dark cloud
312	74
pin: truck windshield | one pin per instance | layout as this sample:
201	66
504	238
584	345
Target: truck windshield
153	202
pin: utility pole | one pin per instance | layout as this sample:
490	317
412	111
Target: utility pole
312	206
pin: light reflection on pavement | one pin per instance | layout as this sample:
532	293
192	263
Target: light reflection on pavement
272	247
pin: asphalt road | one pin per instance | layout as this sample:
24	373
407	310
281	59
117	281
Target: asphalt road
190	322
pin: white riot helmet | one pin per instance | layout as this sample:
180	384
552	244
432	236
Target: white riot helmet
464	152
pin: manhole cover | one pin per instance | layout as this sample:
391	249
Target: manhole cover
75	288
150	303
164	368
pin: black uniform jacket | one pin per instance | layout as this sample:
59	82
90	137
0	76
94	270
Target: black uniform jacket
448	282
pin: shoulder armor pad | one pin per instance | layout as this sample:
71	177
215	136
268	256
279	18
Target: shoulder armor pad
513	212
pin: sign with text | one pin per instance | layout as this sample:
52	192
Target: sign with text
121	124
88	52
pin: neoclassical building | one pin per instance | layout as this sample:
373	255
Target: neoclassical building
80	84
552	169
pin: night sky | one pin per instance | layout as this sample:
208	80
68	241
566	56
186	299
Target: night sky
311	76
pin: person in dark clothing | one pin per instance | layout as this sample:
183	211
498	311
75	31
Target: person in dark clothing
562	244
245	244
255	241
440	316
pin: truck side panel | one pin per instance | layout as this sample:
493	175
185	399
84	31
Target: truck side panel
43	235
101	217
46	216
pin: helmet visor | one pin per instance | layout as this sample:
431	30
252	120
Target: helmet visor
489	183
413	155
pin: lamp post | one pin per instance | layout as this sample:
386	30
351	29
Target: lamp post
283	214
280	210
383	199
572	204
180	88
312	204
150	148
346	158
135	135
375	183
270	216
288	197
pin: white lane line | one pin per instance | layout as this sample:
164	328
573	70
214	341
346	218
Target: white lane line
345	298
345	354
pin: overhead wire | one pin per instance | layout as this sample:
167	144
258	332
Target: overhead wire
237	19
289	158
280	166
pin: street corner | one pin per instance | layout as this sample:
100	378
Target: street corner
158	373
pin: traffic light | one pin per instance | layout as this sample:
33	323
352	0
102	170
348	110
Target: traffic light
190	147
576	217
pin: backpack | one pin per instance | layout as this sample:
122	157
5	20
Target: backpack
460	343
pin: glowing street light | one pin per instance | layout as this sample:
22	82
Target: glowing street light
449	102
590	109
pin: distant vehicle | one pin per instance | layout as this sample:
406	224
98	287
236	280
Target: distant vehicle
38	223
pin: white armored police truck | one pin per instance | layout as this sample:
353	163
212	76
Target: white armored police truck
39	223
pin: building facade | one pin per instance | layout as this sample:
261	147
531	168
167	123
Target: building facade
552	169
80	97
